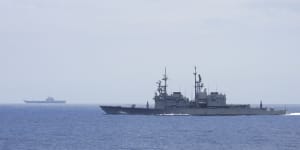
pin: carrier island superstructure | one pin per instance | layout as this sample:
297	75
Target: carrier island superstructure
203	104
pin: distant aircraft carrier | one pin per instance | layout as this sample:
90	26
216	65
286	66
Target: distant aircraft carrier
49	100
203	104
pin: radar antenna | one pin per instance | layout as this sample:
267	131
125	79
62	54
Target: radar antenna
159	89
198	84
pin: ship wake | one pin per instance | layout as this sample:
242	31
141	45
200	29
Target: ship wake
294	114
174	114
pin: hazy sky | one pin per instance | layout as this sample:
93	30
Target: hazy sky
96	51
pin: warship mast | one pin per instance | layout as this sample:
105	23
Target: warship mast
165	78
198	84
195	74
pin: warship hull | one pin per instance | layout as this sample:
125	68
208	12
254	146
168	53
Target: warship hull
117	110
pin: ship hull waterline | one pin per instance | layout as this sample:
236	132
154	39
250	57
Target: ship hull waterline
117	110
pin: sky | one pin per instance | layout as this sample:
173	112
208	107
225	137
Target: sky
114	52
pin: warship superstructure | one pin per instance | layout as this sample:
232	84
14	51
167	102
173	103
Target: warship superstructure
48	100
204	103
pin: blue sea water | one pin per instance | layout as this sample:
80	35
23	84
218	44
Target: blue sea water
75	127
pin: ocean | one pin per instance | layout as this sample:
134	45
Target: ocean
86	127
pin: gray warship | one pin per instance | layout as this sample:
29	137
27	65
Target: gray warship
48	100
203	104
